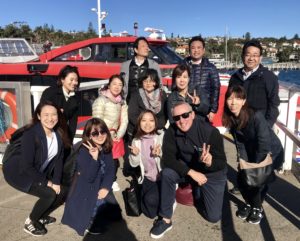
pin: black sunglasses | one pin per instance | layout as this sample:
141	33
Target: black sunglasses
96	133
184	116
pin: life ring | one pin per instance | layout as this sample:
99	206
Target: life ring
10	100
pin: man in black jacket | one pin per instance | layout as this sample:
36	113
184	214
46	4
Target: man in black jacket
193	151
261	85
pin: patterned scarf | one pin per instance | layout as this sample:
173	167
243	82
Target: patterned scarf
152	101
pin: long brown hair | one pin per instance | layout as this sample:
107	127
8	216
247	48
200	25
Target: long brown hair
139	132
61	125
229	120
107	145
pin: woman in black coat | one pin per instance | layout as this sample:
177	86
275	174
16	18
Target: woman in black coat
37	169
254	140
91	189
65	97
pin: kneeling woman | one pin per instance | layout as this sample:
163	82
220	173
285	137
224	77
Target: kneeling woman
146	153
94	176
254	140
37	169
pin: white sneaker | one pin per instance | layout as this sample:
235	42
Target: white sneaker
115	187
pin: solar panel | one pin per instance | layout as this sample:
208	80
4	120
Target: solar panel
15	50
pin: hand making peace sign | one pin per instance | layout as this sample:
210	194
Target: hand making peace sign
94	151
134	150
206	157
195	99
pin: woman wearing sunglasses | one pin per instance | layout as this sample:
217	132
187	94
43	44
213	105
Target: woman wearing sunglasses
91	188
181	92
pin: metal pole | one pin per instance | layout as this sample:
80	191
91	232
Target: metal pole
99	18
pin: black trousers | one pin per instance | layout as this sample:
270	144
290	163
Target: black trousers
150	198
48	201
254	196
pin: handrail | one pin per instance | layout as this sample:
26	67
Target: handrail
289	133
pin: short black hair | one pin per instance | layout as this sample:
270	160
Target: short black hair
196	38
136	42
252	43
152	73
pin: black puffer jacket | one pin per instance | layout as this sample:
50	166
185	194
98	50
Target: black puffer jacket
206	75
262	91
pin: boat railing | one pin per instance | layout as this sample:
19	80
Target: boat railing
288	123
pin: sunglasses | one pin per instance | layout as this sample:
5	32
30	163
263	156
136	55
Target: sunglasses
184	116
96	133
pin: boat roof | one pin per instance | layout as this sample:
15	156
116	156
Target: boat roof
16	50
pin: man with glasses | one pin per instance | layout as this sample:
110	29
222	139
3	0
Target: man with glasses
261	85
193	152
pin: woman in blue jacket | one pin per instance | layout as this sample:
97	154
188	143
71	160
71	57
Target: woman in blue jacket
37	168
254	140
95	172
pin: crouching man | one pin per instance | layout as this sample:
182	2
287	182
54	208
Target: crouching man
193	151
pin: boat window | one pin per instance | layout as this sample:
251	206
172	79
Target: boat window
164	54
82	54
110	52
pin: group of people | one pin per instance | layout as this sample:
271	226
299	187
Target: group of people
133	110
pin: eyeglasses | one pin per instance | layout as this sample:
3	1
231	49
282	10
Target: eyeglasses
184	116
96	133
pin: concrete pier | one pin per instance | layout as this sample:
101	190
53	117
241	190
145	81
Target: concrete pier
281	222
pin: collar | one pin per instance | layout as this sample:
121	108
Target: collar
247	74
137	61
67	95
196	62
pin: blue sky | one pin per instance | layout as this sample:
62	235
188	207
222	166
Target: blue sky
262	18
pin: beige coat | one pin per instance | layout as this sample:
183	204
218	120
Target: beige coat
114	114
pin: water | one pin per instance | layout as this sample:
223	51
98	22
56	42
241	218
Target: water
290	76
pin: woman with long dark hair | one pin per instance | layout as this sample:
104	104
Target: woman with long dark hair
254	140
65	97
37	169
94	176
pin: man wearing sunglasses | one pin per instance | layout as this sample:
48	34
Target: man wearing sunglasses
193	152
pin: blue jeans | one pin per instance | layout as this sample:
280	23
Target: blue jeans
208	199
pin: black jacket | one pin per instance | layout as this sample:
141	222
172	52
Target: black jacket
256	140
136	106
262	91
21	171
201	110
180	154
70	107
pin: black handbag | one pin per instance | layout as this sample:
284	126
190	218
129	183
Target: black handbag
256	174
132	199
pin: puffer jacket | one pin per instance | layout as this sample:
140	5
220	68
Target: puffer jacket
206	75
115	115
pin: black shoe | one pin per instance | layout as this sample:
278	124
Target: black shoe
244	212
255	216
37	229
47	220
159	228
235	191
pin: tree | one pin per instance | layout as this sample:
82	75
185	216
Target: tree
247	36
296	37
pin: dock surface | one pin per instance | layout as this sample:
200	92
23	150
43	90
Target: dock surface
281	222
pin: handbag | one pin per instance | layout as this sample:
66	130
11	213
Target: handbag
256	174
132	200
118	149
